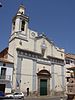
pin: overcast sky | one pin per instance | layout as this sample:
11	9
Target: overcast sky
56	18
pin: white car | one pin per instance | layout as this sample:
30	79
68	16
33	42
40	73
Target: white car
15	95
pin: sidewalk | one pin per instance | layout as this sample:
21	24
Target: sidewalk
44	97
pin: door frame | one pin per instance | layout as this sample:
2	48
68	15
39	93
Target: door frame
44	74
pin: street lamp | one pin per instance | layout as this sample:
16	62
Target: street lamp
0	4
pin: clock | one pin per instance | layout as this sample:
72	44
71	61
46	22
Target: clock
33	34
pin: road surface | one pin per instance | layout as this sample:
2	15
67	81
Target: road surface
41	98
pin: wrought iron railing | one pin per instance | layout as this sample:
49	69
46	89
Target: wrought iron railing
5	77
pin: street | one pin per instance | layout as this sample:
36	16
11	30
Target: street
46	98
40	98
13	99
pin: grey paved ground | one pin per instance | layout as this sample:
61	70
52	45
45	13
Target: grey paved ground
46	98
40	98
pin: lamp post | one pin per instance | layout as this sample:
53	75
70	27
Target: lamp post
0	4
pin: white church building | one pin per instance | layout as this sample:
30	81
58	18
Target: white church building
38	62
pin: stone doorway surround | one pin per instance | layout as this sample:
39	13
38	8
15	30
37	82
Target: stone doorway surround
44	74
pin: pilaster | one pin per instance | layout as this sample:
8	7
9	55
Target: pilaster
34	76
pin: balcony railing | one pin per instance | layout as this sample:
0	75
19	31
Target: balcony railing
5	77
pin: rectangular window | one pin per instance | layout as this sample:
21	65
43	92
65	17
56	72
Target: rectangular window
67	61
23	25
3	73
68	79
13	25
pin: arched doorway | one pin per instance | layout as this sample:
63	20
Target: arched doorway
44	82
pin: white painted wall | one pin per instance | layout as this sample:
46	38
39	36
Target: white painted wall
9	73
58	77
27	73
51	50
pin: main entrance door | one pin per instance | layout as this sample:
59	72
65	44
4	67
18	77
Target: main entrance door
43	82
43	86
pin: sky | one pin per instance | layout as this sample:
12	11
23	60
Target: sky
56	18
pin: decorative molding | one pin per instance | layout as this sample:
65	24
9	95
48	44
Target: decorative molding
37	56
18	38
56	60
18	35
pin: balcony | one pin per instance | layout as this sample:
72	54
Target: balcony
5	77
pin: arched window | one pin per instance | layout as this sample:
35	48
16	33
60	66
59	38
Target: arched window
13	25
23	25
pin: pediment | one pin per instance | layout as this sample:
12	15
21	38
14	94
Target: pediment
43	44
41	37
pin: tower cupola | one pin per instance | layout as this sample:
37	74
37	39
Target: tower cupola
21	10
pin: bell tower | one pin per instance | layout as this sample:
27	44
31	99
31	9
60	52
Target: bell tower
20	23
19	31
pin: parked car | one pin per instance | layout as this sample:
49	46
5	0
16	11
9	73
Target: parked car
2	94
19	95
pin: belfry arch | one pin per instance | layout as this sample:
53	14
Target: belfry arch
44	82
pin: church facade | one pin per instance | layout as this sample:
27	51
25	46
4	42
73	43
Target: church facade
38	62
